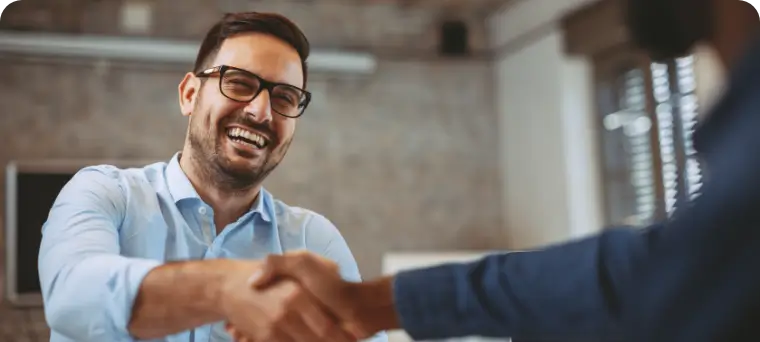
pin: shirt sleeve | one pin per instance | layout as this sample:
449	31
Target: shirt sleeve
87	286
323	238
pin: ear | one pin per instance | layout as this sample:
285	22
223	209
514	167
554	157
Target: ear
188	93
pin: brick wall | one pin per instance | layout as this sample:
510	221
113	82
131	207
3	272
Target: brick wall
379	26
405	159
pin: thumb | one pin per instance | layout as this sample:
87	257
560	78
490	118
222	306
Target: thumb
267	274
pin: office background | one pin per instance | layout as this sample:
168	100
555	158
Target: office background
437	127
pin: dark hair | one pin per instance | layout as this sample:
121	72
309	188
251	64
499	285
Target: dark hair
246	22
669	28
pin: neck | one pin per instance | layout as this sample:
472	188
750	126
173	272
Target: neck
228	204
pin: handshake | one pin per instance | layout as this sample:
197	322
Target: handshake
301	296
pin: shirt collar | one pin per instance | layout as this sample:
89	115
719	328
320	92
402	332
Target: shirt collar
263	205
181	189
179	185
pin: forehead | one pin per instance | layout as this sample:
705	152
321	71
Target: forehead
264	55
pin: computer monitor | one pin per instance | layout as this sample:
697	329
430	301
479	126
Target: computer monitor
31	188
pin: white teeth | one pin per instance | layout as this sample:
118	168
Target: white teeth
241	133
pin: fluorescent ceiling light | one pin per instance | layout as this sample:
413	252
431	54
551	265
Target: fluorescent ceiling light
156	50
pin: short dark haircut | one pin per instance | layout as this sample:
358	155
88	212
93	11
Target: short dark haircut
233	24
669	28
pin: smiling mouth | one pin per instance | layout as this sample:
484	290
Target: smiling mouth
247	137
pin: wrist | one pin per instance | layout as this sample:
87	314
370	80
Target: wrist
373	305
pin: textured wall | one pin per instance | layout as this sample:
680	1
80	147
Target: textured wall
380	26
405	159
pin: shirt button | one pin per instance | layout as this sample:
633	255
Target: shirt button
202	210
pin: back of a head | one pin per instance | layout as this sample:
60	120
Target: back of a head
668	28
232	24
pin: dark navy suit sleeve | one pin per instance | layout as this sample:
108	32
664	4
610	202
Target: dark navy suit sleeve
563	293
700	278
695	277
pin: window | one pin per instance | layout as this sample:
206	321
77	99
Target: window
648	114
676	111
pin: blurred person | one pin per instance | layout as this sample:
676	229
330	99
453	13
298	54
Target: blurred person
694	277
164	252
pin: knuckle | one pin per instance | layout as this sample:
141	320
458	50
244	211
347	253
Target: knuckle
283	319
278	318
293	295
301	263
290	298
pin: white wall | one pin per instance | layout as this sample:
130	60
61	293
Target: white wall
549	140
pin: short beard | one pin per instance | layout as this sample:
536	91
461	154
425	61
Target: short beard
214	168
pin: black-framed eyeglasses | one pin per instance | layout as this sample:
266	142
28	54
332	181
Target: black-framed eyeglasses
243	86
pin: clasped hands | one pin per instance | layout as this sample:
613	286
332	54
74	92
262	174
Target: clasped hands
300	296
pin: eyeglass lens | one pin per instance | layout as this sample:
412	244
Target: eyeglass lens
241	86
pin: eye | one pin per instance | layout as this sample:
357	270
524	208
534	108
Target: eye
288	94
287	98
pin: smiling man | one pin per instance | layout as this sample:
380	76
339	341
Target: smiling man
165	252
691	277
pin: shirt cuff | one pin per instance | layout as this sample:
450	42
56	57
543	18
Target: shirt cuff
425	301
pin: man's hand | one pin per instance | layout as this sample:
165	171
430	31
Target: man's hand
363	309
282	312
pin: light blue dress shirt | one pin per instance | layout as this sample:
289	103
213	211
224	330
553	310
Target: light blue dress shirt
109	227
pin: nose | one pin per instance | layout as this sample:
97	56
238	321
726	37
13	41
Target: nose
260	108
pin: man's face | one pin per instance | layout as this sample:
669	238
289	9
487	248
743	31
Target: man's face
243	141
